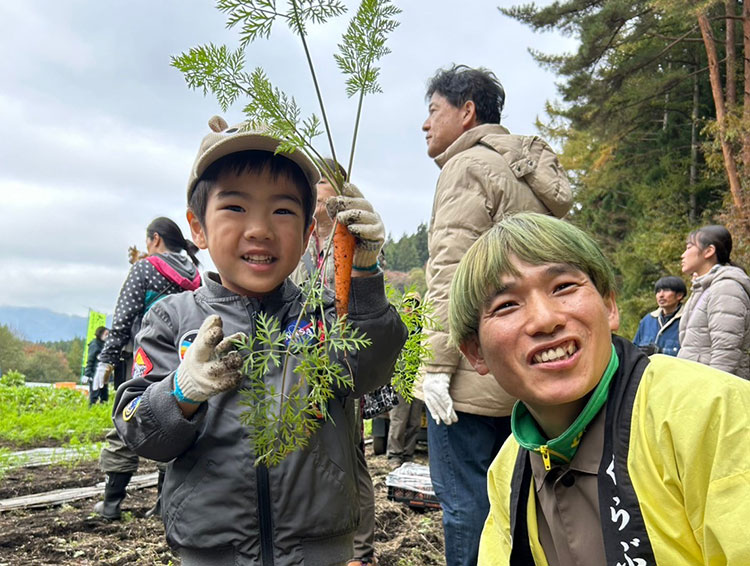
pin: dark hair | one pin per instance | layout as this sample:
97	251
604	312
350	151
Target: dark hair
251	161
333	166
716	236
671	283
172	236
461	83
99	331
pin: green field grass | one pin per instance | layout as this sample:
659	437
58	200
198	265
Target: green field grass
46	416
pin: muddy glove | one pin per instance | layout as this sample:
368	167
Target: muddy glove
211	365
356	213
101	375
437	398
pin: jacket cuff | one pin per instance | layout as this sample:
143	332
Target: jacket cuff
161	400
367	296
433	368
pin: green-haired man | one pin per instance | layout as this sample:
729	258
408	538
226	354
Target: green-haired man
615	458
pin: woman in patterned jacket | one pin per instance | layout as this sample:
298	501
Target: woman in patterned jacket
165	271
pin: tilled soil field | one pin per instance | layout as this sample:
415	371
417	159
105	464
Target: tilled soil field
70	534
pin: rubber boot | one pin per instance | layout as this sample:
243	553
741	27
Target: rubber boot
156	509
114	493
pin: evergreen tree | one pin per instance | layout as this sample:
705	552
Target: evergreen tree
636	100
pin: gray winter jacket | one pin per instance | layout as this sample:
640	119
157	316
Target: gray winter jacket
303	511
715	325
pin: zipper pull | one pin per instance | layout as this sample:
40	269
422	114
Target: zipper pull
545	457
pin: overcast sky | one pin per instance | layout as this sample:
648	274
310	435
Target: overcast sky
99	132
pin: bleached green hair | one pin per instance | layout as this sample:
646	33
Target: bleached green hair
532	238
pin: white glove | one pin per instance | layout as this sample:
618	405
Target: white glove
356	213
211	364
437	397
101	375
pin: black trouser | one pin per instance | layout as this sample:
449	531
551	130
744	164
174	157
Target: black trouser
100	395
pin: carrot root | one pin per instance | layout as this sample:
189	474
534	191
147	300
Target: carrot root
343	258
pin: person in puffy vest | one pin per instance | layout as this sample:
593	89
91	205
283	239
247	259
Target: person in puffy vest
616	458
486	174
165	271
659	331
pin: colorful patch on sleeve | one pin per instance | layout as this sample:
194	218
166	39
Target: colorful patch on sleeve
142	365
186	341
305	331
131	408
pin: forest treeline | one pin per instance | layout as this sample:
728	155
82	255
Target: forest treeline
653	119
46	362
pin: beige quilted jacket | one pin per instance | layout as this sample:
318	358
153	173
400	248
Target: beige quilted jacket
486	174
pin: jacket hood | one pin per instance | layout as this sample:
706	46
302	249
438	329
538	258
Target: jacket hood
177	268
723	272
468	139
531	160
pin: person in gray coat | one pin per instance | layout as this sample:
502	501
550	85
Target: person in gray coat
715	325
252	209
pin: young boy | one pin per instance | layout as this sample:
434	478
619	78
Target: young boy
615	458
253	211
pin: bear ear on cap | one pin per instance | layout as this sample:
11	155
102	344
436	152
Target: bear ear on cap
217	124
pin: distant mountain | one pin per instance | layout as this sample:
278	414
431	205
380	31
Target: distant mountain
42	325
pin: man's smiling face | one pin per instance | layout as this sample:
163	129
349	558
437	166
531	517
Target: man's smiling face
545	336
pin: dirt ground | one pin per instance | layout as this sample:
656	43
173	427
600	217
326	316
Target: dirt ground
70	534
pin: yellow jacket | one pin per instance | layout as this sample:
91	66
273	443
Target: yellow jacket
683	490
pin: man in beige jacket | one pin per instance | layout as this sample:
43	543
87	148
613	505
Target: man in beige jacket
487	173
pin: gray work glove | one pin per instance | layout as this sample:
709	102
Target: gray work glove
437	397
211	364
356	213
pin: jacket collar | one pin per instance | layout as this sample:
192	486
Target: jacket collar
468	139
273	301
721	272
677	315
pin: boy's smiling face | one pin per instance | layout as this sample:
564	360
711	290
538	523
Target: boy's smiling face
254	230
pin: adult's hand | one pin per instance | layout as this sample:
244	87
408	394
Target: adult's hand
437	398
101	375
354	211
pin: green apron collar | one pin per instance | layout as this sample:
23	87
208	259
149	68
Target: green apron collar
561	450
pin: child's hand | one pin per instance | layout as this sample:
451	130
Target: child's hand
356	213
211	364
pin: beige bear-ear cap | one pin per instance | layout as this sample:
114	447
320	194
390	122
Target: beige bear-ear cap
217	124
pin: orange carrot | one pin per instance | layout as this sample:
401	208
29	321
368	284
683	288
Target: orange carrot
343	256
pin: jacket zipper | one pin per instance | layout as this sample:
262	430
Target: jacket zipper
546	451
545	457
265	516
